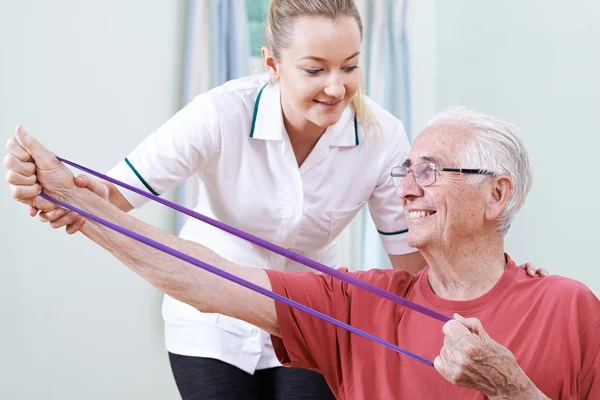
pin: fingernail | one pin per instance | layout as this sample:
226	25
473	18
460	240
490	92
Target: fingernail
532	273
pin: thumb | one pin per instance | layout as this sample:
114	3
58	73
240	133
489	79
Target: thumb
44	158
91	184
473	324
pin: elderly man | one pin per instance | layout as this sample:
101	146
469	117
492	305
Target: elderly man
461	185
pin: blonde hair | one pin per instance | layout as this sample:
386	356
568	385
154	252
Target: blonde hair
278	35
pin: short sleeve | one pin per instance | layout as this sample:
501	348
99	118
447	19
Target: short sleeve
307	341
181	147
384	205
589	376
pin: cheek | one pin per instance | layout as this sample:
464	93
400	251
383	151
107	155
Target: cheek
352	84
306	89
465	209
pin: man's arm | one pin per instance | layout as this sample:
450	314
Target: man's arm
32	168
183	281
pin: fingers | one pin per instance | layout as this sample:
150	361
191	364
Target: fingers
61	217
455	329
529	268
32	211
15	148
81	180
13	163
95	186
71	229
44	158
473	324
15	178
85	181
25	193
42	204
53	215
68	219
438	364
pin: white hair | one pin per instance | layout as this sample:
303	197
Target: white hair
496	146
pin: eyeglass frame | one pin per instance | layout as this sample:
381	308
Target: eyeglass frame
437	169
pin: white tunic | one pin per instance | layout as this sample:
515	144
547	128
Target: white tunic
234	140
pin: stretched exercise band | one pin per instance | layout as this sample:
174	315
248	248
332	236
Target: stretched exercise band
272	247
260	242
233	278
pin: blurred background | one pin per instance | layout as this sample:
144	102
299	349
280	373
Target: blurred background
92	79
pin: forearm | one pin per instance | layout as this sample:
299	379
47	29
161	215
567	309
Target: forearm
179	279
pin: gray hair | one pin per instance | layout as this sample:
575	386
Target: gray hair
496	146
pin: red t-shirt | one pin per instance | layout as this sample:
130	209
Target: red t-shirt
551	325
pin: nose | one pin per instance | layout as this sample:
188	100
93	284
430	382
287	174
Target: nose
408	188
335	87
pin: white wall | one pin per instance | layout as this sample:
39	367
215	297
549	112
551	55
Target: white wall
90	79
537	64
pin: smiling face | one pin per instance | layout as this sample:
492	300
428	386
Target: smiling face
318	70
450	210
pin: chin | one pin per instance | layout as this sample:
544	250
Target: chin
415	241
325	121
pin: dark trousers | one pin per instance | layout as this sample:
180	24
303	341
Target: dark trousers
207	379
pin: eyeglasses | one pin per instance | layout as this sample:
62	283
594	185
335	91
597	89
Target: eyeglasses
425	174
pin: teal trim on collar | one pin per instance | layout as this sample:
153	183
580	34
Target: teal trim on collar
140	178
392	233
256	110
355	130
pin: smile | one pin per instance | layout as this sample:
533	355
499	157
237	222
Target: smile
420	214
328	103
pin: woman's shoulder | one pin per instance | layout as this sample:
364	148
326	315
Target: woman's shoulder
241	85
233	96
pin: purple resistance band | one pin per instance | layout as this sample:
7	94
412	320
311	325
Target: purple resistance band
235	279
272	247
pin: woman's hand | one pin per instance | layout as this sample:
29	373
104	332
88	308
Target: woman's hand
533	271
60	217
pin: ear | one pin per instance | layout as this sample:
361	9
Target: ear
270	63
500	190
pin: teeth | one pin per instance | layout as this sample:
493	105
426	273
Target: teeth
419	214
329	103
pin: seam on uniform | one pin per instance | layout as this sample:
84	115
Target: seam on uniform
392	233
140	177
254	115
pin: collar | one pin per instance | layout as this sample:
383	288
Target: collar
468	307
267	120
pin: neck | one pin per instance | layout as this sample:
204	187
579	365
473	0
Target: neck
466	271
303	134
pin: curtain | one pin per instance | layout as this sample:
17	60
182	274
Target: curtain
217	50
385	64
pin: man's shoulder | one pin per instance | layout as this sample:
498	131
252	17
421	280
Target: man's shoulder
557	285
569	296
396	281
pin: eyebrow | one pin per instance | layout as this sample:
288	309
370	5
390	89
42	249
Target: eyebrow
322	59
408	162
